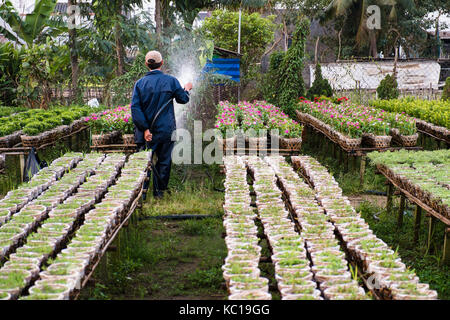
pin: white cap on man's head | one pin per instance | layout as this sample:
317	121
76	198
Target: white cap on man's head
153	57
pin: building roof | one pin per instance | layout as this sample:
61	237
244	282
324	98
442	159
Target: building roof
226	52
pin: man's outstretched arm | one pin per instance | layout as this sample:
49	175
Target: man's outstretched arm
182	95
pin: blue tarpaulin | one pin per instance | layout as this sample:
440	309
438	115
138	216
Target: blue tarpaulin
227	67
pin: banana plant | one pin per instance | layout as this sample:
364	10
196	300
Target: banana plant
36	25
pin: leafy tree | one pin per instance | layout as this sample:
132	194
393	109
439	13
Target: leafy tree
270	87
112	14
97	44
320	86
352	11
10	61
257	32
42	66
123	85
292	85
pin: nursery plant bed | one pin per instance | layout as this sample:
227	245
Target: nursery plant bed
23	150
356	150
248	151
369	252
107	245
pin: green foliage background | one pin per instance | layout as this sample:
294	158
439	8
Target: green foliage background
256	33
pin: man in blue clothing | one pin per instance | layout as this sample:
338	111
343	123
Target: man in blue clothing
153	114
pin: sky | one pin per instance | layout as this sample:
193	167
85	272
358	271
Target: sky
26	6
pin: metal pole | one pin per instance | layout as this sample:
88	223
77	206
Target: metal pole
239	31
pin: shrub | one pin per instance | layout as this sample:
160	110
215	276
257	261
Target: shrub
388	88
36	121
272	78
292	85
320	87
10	61
446	90
433	111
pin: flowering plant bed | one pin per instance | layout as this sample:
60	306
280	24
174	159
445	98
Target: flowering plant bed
347	122
424	174
112	126
390	277
255	120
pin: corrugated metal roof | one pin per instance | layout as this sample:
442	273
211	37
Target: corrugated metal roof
226	67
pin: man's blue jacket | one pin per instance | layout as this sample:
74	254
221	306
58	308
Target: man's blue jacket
150	94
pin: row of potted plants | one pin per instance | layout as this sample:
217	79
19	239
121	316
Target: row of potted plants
354	125
13	233
240	271
66	272
37	126
62	221
292	266
424	174
372	254
434	115
329	263
16	199
253	121
8	111
112	125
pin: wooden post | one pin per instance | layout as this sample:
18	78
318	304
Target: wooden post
417	220
362	170
390	191
346	162
400	211
431	223
104	266
22	166
446	253
69	140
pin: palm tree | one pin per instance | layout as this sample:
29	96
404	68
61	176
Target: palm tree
110	15
358	9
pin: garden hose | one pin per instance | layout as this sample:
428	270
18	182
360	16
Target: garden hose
376	193
212	181
152	165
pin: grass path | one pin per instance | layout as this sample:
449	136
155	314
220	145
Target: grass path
162	259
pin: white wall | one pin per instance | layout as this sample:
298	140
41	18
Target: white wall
410	74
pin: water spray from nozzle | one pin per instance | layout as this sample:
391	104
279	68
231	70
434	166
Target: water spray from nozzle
187	74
